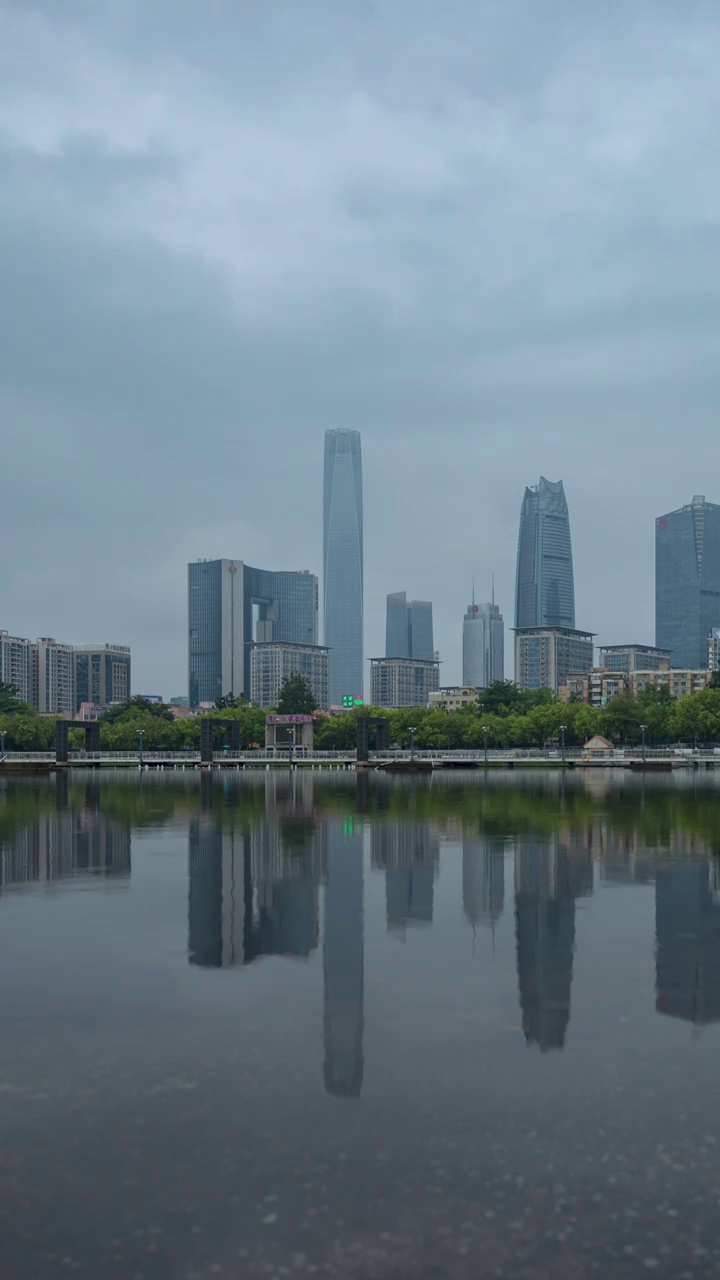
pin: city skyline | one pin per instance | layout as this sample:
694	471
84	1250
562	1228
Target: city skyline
475	342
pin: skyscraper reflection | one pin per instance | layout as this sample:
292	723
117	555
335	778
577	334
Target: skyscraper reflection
343	960
408	853
483	883
255	893
548	879
687	925
74	838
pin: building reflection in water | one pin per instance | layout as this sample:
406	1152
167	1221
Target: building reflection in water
72	839
408	853
255	893
687	926
343	959
549	876
483	879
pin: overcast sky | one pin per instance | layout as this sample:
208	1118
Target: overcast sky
485	234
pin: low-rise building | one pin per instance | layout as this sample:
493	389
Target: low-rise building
680	681
403	682
453	698
595	687
273	662
545	656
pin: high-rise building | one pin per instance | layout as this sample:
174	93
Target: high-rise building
102	674
544	587
408	853
409	628
16	665
402	682
714	649
53	677
273	663
546	656
483	645
687	581
343	563
230	607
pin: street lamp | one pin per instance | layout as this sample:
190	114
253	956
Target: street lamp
643	727
485	738
412	741
140	736
2	744
563	727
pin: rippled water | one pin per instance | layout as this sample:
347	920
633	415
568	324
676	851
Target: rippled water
359	1027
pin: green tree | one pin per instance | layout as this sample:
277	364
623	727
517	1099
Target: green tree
296	698
10	703
228	702
714	682
500	698
137	707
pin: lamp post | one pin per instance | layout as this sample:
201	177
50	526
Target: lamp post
412	741
563	727
2	744
140	736
643	727
485	738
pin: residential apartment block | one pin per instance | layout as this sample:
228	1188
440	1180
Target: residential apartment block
403	682
56	678
627	658
271	664
546	656
453	698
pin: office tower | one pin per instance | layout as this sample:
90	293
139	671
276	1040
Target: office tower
402	682
53	677
16	664
343	563
483	645
409	628
343	961
687	581
544	587
231	606
687	956
546	656
273	663
102	674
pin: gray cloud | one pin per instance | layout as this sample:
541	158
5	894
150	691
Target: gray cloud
486	236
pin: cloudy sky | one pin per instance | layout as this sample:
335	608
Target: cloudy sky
484	233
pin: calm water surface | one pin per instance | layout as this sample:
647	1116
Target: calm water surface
359	1027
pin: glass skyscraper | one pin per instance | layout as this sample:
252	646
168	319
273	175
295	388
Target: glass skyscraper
483	645
409	628
230	606
544	588
343	563
687	581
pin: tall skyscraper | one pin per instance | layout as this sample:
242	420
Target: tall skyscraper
231	606
343	563
483	645
409	628
687	581
544	587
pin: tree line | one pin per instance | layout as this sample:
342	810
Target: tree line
511	717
